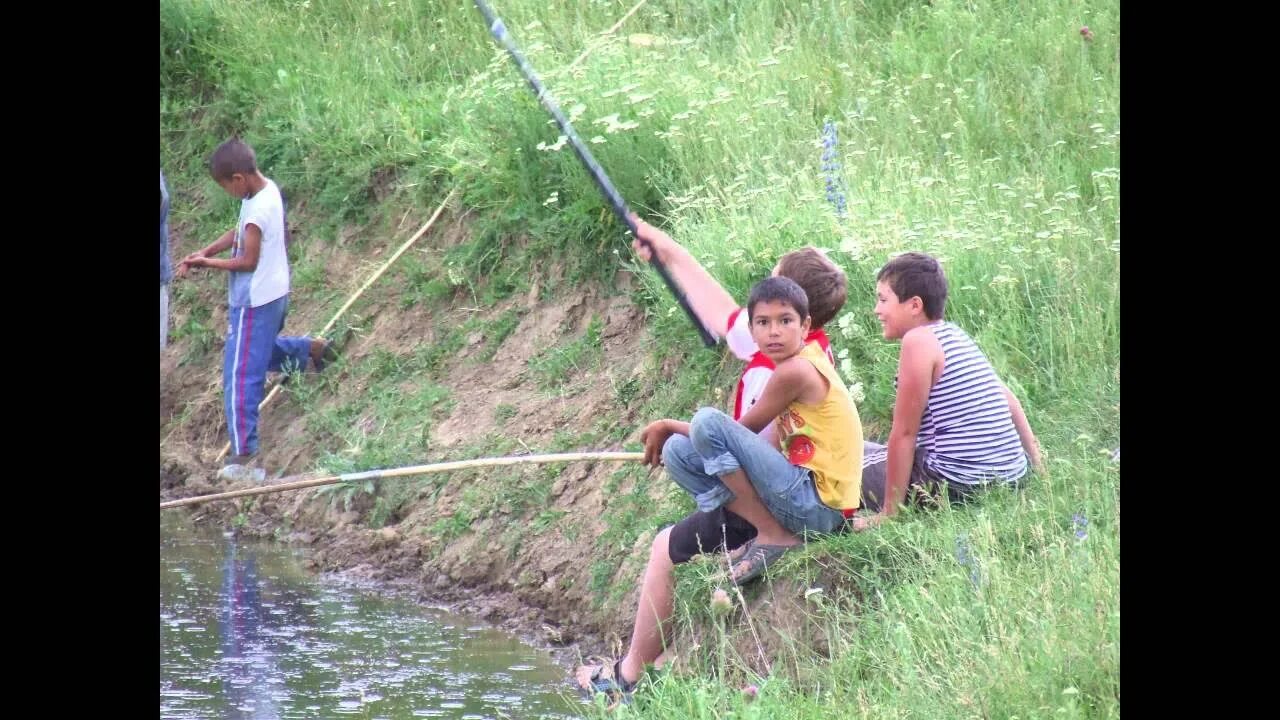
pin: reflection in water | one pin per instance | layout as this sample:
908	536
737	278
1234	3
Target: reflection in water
245	633
246	650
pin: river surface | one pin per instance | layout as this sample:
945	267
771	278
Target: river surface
245	632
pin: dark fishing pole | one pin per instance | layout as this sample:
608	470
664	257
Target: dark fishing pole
616	203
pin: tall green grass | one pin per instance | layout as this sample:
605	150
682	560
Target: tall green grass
986	133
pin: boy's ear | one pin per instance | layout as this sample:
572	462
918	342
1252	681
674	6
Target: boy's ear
917	304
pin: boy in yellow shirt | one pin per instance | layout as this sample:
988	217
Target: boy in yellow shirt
805	479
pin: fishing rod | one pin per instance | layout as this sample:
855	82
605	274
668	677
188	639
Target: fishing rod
294	484
611	195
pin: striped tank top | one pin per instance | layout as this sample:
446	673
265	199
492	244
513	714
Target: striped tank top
967	431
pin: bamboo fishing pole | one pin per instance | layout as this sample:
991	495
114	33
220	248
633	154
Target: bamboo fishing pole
287	484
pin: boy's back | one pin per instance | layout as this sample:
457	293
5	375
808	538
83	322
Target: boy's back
270	280
967	430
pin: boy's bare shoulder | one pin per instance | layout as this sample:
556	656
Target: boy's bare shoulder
797	369
920	339
795	361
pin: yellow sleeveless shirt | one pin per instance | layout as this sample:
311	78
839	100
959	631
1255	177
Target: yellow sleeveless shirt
826	438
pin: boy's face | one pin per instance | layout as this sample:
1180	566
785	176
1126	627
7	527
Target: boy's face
896	316
237	186
778	329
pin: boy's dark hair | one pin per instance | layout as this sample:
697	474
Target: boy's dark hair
916	274
779	289
823	283
231	157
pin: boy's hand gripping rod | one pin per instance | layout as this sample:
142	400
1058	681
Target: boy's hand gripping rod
616	203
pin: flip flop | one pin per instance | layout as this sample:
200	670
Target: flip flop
334	343
328	355
758	558
606	678
744	547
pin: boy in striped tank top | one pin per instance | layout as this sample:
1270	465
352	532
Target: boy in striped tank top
955	424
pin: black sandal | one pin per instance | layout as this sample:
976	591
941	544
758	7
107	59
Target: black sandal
612	686
758	558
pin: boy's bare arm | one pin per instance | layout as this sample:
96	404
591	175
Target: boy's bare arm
248	260
793	379
1030	445
221	245
710	302
915	379
655	435
770	434
218	246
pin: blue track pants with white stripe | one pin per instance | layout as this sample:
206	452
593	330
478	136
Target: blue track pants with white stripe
255	346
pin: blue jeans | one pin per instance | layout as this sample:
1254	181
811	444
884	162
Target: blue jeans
717	445
254	346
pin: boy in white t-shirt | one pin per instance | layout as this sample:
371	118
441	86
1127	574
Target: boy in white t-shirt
258	298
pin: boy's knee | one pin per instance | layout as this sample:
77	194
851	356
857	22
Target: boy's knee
673	450
706	414
660	548
704	422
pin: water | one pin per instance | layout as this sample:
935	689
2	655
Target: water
246	633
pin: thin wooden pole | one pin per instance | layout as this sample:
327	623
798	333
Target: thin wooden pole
287	484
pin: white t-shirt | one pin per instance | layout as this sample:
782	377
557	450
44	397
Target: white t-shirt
270	281
738	337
